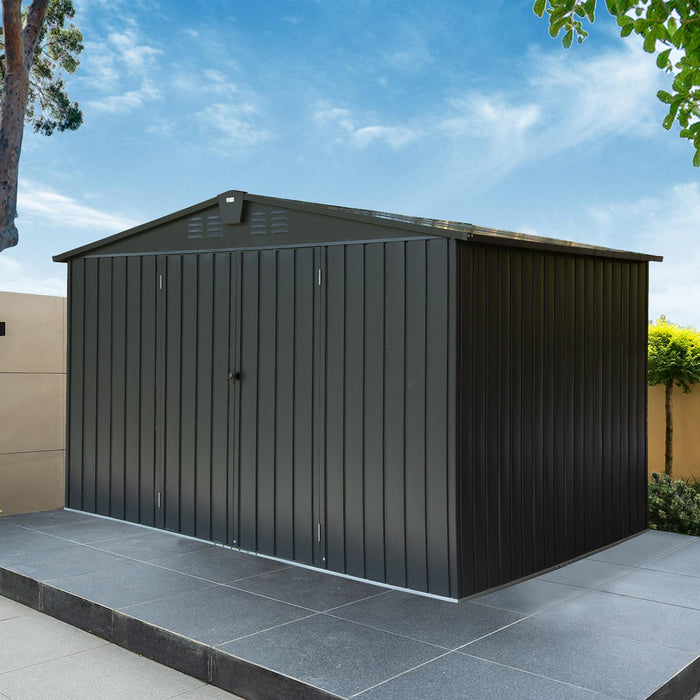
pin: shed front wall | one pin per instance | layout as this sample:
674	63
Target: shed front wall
336	446
552	409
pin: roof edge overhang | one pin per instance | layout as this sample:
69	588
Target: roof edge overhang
434	227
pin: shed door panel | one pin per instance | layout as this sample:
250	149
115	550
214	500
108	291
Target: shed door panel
196	329
278	321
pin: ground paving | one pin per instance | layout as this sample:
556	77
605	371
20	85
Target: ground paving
622	623
41	657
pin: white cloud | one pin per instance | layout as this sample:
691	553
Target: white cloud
135	56
392	136
16	276
36	201
566	102
235	125
127	101
164	126
363	136
122	68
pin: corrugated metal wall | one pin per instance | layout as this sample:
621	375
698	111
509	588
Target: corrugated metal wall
343	418
111	393
389	413
553	408
274	469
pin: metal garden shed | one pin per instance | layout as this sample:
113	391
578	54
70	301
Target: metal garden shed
423	403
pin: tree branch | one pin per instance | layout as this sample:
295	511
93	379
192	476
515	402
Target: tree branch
12	25
32	28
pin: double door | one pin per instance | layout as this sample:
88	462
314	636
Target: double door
238	387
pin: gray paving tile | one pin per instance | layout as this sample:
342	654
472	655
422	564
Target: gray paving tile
607	663
34	638
685	560
634	618
336	655
458	676
438	622
46	518
586	573
107	672
312	589
150	545
16	540
8	609
219	564
128	585
643	548
528	596
676	589
90	529
63	559
208	692
216	615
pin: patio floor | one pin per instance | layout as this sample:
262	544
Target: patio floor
623	623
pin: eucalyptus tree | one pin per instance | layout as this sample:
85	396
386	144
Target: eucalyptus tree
39	45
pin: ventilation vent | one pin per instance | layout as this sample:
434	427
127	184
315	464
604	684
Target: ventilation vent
262	223
210	226
195	227
215	229
278	222
258	223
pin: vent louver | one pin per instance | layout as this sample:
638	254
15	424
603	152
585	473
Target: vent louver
258	223
195	227
215	229
278	222
199	227
261	223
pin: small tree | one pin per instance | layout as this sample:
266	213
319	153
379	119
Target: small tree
38	45
674	358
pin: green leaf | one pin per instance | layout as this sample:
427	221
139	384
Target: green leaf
539	7
665	97
650	42
662	59
668	121
568	38
627	30
696	159
672	26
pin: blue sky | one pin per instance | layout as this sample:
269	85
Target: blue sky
438	109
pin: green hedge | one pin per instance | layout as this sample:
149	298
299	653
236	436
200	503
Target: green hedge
674	506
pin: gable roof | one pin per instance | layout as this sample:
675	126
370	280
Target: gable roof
424	226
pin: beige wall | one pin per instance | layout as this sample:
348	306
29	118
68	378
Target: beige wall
32	402
686	431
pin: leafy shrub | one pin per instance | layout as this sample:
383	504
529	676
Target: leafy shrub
674	506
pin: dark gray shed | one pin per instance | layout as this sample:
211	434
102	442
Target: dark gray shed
422	403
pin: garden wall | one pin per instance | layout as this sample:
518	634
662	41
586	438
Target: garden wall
686	431
32	402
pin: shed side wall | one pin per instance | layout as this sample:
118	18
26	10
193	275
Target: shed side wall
552	408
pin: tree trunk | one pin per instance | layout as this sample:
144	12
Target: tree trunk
668	463
20	42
